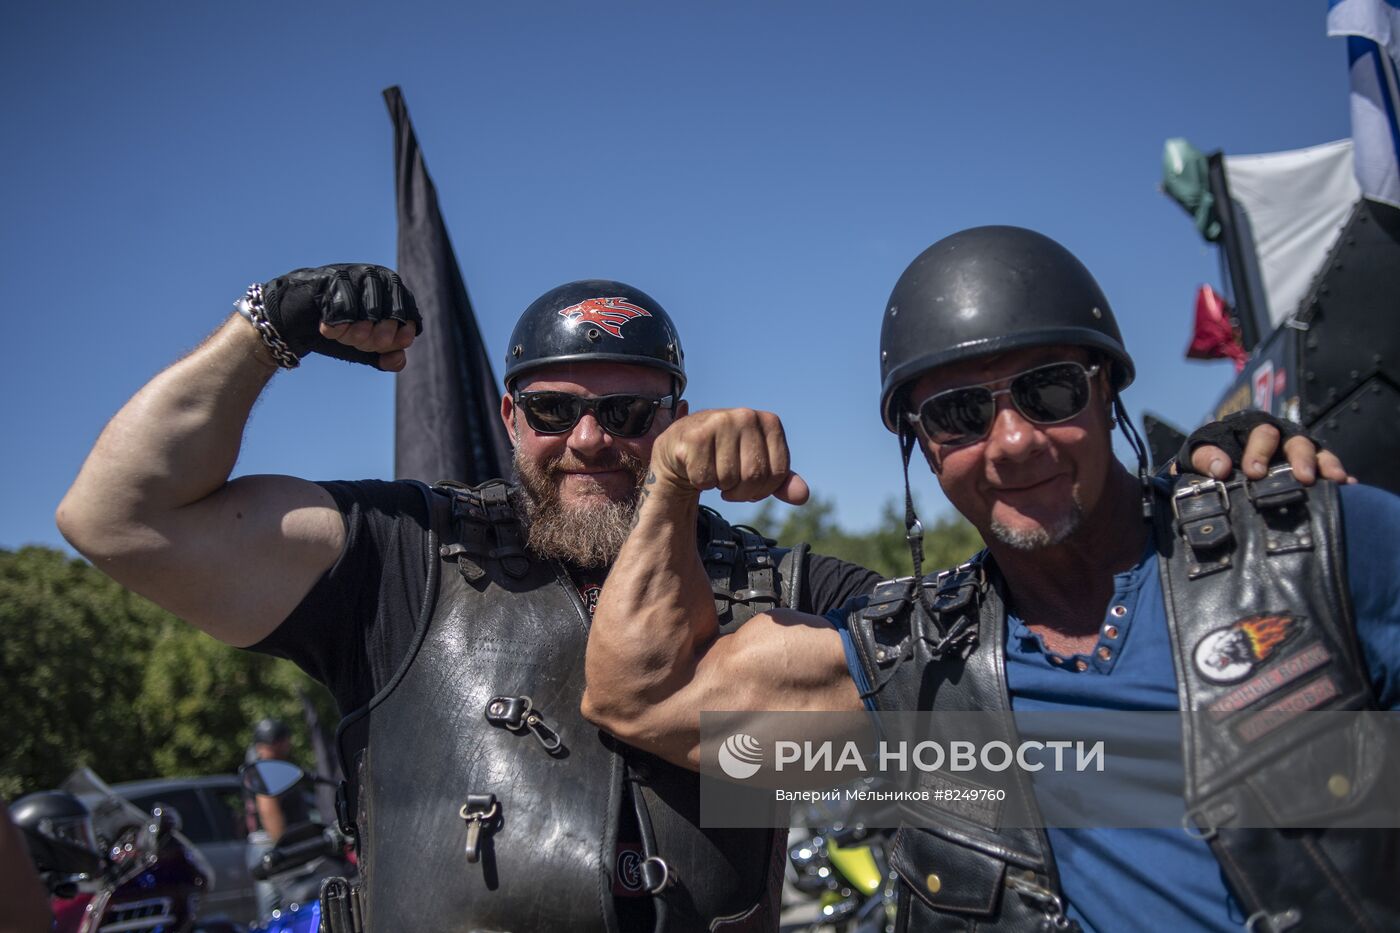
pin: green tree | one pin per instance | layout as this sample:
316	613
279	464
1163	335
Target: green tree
97	675
948	542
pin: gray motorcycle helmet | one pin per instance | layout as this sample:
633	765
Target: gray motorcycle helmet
990	290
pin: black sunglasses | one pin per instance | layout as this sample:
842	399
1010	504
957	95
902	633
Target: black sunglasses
1046	395
619	415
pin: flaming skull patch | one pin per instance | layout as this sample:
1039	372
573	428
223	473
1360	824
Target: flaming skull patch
1229	654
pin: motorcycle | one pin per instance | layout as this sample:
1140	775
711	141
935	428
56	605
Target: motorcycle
120	869
305	856
844	867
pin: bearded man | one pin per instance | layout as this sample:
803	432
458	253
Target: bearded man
450	622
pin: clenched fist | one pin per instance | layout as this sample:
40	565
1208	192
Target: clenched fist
356	312
741	452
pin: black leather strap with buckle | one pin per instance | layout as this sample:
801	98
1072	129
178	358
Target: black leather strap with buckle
1202	510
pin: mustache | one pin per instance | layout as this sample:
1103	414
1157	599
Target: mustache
609	460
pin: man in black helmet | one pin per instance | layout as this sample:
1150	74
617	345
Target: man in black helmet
450	622
1099	590
270	816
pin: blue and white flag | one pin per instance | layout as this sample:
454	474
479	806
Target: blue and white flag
1372	28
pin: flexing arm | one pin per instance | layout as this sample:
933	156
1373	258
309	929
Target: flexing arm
655	656
153	506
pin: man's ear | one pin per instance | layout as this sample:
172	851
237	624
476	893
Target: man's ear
508	416
681	410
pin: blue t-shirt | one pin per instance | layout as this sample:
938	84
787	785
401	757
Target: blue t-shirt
1110	875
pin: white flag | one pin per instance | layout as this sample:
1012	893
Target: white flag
1372	28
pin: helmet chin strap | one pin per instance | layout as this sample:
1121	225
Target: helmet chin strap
913	528
1120	414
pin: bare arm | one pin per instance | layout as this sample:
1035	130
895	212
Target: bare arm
153	506
270	815
24	908
655	656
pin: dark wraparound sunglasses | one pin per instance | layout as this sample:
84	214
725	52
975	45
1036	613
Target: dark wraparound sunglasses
619	415
1046	395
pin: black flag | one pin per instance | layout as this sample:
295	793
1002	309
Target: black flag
447	401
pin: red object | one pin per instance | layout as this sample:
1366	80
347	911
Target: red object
1215	337
70	912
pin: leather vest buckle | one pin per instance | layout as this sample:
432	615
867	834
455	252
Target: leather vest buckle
340	906
1282	502
471	571
888	599
1202	511
721	551
1278	490
518	715
1261	921
1204	823
479	812
754	595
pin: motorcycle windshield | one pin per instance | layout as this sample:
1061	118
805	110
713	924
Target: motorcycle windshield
111	813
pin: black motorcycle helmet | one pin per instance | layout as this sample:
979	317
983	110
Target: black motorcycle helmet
595	320
56	815
270	730
990	290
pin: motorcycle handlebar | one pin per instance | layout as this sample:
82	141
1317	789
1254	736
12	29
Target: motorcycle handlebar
298	853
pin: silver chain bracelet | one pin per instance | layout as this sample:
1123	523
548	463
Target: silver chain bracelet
251	307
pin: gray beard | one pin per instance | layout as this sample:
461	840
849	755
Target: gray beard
588	536
1032	540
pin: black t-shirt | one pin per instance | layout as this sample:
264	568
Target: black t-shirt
357	624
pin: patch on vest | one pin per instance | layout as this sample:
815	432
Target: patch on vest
1287	671
1289	707
1230	654
589	594
627	871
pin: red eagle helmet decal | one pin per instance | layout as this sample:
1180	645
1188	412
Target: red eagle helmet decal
608	313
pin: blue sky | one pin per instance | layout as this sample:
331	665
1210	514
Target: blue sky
765	169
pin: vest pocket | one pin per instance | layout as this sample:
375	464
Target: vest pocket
946	875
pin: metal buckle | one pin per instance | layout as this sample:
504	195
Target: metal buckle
1212	827
478	813
1277	498
914	532
1261	921
1193	490
975	569
518	715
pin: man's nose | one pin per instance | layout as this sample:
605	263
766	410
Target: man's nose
588	435
1013	436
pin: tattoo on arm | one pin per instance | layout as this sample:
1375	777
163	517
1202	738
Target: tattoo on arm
646	491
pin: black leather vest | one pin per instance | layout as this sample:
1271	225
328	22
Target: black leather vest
484	800
1233	555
